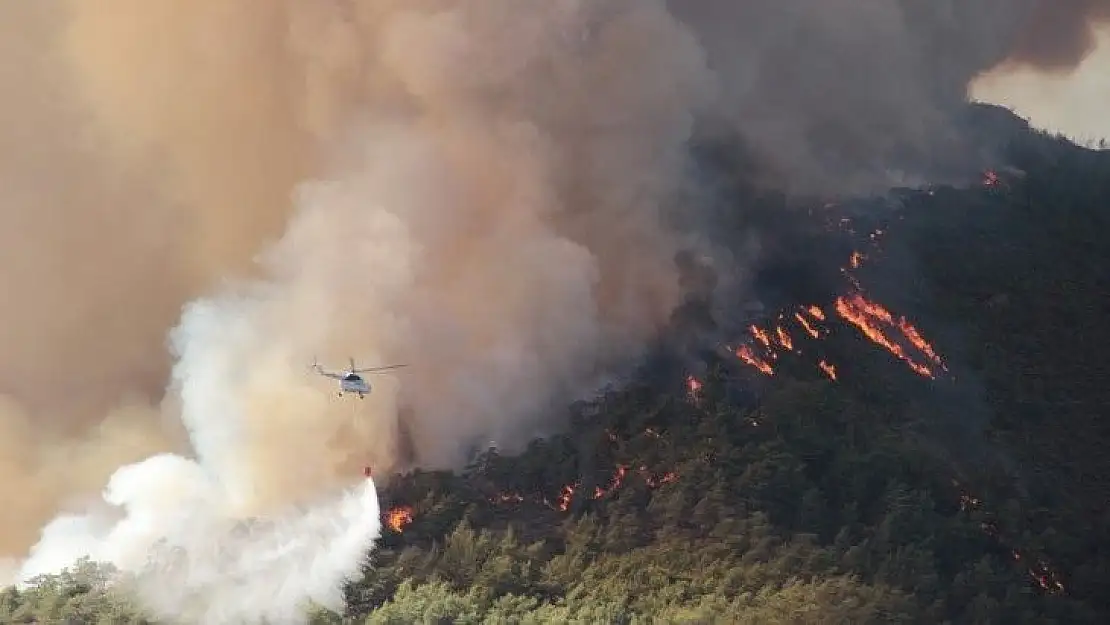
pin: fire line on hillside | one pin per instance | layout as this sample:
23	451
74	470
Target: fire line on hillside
763	348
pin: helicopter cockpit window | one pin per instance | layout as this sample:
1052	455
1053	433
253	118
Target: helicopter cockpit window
351	377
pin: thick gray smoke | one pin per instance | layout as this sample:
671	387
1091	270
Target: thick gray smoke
476	188
855	95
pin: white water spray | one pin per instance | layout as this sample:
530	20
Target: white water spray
188	561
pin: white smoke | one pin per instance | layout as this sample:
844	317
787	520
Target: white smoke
199	539
191	562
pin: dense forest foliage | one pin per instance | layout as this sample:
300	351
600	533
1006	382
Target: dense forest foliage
818	478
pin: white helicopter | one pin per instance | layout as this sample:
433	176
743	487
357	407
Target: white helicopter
350	381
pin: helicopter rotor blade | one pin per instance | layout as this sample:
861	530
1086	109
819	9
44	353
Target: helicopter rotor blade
377	369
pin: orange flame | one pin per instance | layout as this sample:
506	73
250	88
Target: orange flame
861	314
1041	573
398	517
919	342
565	496
784	338
614	483
816	313
745	354
828	369
856	260
810	330
760	335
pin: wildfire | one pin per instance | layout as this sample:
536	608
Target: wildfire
1040	572
783	338
614	483
869	317
566	494
864	314
745	353
807	326
760	335
767	341
693	387
398	517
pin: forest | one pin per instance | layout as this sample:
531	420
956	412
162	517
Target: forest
910	432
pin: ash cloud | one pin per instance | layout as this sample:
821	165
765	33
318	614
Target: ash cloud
479	189
1058	36
854	96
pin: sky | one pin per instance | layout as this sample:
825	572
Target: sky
1076	105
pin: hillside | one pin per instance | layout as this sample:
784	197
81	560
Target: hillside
909	432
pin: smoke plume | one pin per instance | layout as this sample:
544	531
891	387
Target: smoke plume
1059	35
478	189
189	566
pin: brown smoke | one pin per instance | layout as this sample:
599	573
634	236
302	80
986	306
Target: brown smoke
150	150
132	176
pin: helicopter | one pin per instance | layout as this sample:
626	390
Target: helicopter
350	381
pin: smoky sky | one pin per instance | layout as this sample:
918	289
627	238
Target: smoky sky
856	96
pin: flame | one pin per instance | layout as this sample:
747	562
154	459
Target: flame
398	517
857	259
784	338
810	330
693	386
745	353
863	313
1041	573
990	178
614	483
867	316
760	335
919	342
566	494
